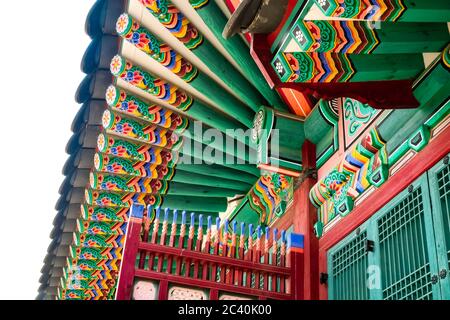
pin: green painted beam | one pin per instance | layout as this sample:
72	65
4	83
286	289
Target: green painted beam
184	189
198	154
230	147
373	67
238	50
217	171
128	28
411	37
161	89
426	11
365	37
432	90
195	203
201	179
232	78
167	14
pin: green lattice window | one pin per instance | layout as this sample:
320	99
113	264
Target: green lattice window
405	266
440	198
410	246
349	268
443	179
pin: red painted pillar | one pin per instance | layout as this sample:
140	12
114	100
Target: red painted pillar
295	261
163	292
213	294
305	216
130	251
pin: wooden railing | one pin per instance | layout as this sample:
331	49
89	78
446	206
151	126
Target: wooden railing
250	263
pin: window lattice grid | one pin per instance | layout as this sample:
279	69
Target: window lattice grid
443	178
350	265
404	258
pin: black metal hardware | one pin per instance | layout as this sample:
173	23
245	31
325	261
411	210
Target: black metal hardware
443	273
323	278
446	160
305	174
410	188
370	246
434	279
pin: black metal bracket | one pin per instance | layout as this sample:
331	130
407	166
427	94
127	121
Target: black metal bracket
305	174
370	246
323	278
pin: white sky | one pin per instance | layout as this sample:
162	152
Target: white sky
43	43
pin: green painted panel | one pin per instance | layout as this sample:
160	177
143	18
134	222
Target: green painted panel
406	245
205	180
347	268
403	260
439	177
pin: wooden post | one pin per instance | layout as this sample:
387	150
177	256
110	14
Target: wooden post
163	291
305	216
295	260
213	294
130	251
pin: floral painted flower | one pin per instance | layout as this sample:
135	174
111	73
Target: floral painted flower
122	22
140	40
133	77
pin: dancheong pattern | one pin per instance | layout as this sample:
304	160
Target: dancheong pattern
119	199
383	10
103	214
335	36
100	227
122	101
95	253
133	32
363	166
105	163
357	117
103	181
174	20
115	146
269	196
143	80
318	67
129	128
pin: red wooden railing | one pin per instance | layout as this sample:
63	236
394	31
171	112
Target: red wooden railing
224	262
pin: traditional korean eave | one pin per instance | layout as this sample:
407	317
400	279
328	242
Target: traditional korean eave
192	188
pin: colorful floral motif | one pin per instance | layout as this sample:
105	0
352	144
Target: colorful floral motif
108	164
270	196
134	151
100	227
365	165
356	116
314	67
174	20
103	213
129	128
107	182
122	101
93	254
143	80
133	32
119	199
335	36
383	10
98	241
